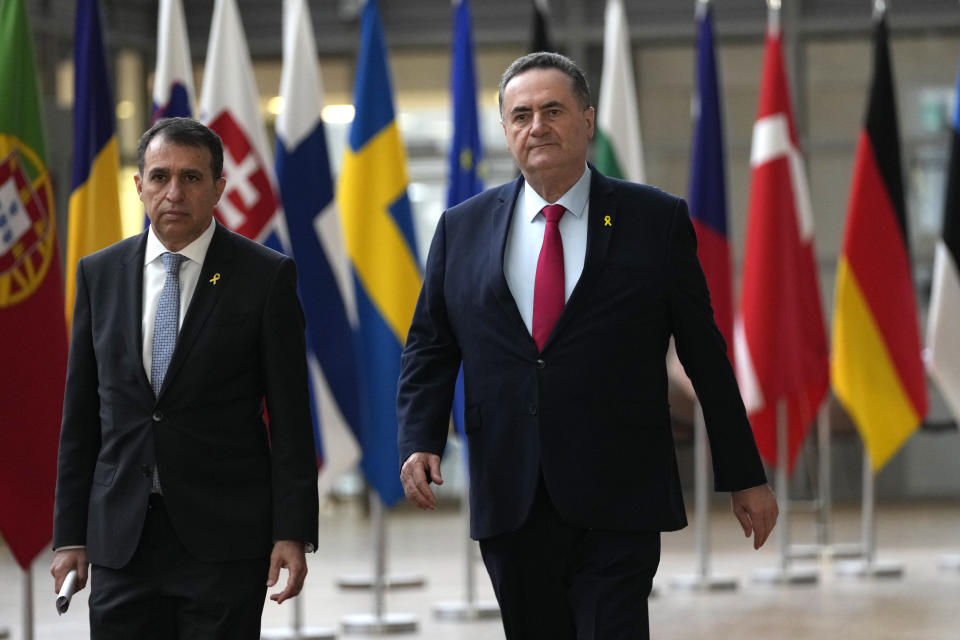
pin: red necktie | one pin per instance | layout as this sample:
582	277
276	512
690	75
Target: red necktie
548	286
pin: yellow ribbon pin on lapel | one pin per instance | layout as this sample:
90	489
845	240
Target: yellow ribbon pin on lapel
607	222
215	279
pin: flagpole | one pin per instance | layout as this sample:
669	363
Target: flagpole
702	580
26	592
469	608
823	547
379	622
868	566
784	574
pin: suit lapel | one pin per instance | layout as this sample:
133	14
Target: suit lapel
132	307
600	225
500	220
214	270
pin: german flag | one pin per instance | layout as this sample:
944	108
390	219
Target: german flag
876	367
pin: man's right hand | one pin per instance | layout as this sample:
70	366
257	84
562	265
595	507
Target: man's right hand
416	474
66	561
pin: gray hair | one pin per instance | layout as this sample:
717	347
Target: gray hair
548	60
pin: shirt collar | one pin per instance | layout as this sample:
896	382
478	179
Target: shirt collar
574	200
195	251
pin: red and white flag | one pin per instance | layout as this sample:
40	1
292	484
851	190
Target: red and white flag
229	105
780	340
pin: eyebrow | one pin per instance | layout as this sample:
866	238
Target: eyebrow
546	105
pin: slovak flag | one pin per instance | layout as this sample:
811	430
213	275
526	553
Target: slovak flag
173	94
250	205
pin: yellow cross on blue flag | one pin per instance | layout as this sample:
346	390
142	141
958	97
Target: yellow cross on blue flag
379	234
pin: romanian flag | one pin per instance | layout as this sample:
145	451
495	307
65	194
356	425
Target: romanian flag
876	368
708	186
619	149
780	340
31	301
378	228
94	221
943	346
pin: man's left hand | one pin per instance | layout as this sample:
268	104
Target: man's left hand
287	554
756	509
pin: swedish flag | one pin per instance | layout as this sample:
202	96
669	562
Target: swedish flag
379	235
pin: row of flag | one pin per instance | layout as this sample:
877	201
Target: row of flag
355	248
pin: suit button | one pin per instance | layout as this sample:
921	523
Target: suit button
540	363
145	471
158	416
532	409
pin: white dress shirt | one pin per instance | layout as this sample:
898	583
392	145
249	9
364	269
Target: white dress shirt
525	237
154	273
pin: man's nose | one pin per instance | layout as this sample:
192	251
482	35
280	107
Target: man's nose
538	125
174	191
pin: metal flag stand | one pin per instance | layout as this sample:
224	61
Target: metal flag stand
379	622
702	580
469	608
784	574
868	566
296	630
823	548
26	591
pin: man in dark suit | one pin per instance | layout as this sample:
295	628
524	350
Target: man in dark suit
559	293
169	482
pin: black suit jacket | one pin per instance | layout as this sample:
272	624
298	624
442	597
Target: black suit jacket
232	487
590	410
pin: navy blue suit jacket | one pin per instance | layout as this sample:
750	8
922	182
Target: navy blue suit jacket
591	409
231	488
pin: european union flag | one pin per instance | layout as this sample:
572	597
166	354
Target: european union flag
466	153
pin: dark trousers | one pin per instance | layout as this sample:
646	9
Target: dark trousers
558	582
164	593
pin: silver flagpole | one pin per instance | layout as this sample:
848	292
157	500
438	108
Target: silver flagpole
702	580
469	608
379	622
297	630
27	600
868	566
823	547
784	574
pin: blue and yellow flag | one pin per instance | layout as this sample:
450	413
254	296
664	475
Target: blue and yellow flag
94	214
378	230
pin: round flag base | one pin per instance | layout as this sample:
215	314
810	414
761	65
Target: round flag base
396	581
370	624
461	611
870	569
779	576
827	552
310	633
950	562
701	583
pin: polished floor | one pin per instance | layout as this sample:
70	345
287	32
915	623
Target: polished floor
923	604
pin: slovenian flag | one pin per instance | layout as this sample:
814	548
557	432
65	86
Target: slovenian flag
173	94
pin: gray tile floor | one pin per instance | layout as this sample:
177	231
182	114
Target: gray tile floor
923	604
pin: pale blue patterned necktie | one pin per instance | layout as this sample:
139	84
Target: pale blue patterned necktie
168	317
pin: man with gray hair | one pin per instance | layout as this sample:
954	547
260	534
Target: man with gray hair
559	293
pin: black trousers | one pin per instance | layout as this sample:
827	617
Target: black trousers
164	593
554	581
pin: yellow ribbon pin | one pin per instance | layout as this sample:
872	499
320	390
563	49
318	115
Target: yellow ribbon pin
215	279
607	222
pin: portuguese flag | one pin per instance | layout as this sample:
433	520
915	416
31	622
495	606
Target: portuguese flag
876	367
34	351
